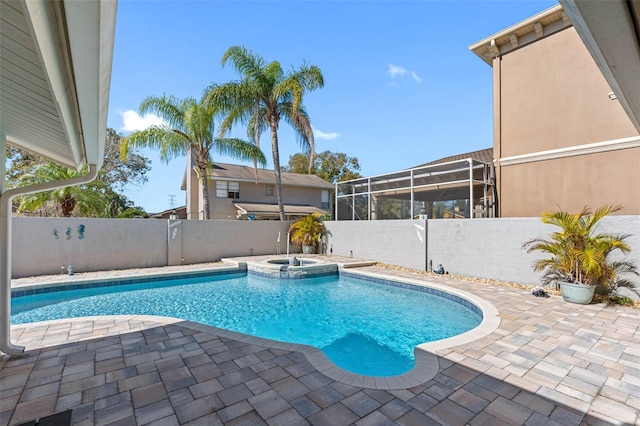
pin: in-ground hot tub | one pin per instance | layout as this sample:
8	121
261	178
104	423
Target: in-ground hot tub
285	267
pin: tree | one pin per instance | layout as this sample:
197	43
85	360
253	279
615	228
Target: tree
580	255
331	166
131	212
307	231
299	163
265	95
91	199
100	198
117	172
21	162
189	128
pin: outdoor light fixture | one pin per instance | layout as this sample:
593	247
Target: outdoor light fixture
612	96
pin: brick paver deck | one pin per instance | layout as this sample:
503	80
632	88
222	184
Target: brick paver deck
548	363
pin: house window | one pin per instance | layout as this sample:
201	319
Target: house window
270	191
324	199
227	189
234	189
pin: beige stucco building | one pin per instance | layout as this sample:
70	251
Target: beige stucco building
242	192
561	136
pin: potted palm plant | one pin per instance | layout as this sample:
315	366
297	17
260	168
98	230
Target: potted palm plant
307	232
580	259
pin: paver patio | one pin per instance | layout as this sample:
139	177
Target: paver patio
548	363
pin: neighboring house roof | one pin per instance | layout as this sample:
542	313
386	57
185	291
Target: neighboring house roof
483	155
235	172
178	211
223	171
272	209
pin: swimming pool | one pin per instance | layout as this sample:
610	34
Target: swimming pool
365	327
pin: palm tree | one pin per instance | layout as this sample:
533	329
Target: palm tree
190	129
265	95
307	231
578	253
90	199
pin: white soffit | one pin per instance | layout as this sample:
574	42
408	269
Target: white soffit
611	32
55	75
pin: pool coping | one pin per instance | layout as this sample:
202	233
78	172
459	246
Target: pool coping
426	362
83	282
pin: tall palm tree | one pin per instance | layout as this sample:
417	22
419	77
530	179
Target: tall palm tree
190	129
265	95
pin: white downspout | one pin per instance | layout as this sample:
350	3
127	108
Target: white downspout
5	249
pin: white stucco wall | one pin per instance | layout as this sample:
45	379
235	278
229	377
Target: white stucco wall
397	242
107	244
487	248
206	241
134	243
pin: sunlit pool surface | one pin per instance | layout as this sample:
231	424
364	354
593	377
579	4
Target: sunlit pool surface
364	327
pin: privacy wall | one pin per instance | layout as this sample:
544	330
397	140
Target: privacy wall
486	248
43	245
396	242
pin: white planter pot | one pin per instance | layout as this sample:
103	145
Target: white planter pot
308	249
577	292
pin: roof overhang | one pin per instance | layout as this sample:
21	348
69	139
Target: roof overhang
530	30
55	77
611	32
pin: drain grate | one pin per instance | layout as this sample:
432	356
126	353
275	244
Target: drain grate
64	418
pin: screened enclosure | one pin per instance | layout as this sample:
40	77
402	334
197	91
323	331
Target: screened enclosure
461	189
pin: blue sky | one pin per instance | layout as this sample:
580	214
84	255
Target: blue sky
401	86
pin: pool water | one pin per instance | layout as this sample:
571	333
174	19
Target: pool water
363	327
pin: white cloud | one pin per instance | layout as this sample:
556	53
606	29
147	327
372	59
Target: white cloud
397	70
319	134
132	121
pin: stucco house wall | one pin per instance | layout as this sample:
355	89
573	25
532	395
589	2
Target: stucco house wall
224	208
553	96
297	189
560	139
571	183
193	198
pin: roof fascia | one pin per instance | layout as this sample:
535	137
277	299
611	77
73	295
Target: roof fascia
77	61
92	54
496	43
46	22
270	181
